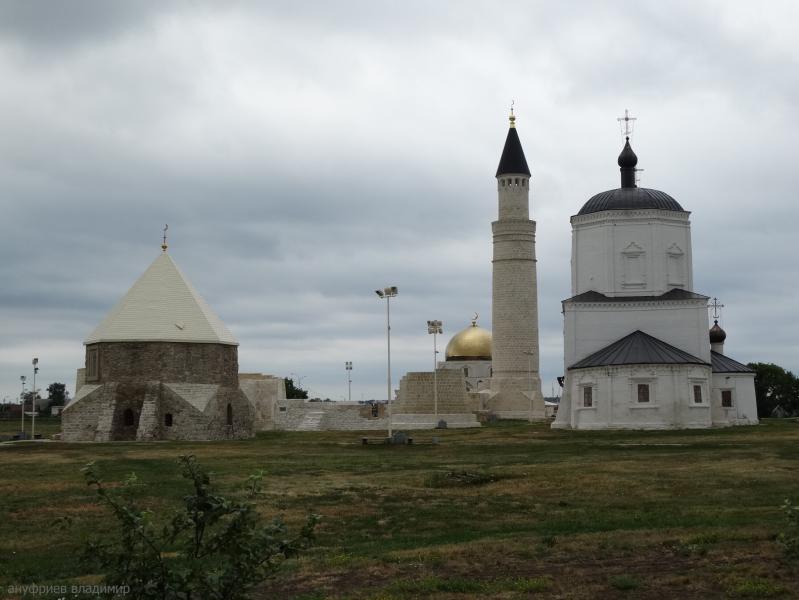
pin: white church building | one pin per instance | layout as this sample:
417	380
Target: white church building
637	349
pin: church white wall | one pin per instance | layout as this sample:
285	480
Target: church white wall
744	405
615	402
589	327
631	252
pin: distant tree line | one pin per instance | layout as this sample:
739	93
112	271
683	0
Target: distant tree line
776	391
57	395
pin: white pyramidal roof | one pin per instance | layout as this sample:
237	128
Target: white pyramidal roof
162	306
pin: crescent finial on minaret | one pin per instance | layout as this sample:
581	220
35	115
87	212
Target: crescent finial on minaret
474	320
512	116
163	244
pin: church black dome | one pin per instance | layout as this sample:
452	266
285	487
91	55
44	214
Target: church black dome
627	158
717	334
627	198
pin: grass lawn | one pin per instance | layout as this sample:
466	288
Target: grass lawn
507	511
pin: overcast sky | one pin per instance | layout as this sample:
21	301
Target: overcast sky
304	154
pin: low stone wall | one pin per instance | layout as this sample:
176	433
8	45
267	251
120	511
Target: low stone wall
264	393
416	392
301	415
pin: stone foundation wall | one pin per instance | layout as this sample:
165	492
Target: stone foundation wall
80	419
263	392
294	415
100	414
416	392
176	362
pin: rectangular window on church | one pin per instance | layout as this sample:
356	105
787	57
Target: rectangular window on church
588	396
643	393
726	398
697	394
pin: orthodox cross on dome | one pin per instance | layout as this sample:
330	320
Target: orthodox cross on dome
163	244
715	305
512	117
627	124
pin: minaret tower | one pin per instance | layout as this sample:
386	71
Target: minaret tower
515	381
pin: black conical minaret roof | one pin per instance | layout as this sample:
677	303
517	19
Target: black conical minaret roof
512	159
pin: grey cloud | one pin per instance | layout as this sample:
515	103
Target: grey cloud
304	155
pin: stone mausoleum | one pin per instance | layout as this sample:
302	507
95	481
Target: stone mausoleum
160	366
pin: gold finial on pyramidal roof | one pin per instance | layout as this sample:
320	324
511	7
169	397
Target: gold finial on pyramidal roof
512	117
163	244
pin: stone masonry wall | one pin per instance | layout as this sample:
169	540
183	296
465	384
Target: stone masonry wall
416	393
339	416
175	362
263	392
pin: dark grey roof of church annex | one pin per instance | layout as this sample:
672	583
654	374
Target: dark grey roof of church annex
638	348
725	364
512	159
629	195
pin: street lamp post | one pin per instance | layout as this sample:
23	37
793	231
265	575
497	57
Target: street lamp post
348	366
388	293
435	328
22	378
529	354
35	363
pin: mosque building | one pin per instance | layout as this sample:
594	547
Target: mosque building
637	351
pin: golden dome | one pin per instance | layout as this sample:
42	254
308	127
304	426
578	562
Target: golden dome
473	343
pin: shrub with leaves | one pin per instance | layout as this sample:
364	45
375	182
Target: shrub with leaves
212	548
789	539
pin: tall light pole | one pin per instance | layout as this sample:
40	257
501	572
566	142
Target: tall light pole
348	366
530	354
388	293
22	378
35	363
435	328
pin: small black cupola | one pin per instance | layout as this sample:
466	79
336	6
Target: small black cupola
512	159
627	161
717	334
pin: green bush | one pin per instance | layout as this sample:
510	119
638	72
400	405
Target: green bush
212	548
